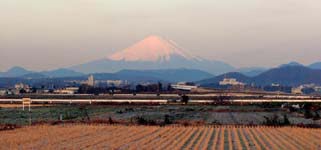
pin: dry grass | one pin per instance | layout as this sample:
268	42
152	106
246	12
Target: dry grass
20	105
153	137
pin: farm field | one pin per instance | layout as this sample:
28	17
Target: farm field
81	136
207	114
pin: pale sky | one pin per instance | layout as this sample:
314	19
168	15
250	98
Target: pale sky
49	34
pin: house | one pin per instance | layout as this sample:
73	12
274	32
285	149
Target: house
3	92
297	90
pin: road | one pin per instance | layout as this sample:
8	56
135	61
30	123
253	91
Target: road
162	101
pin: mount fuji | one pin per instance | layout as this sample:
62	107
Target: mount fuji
153	52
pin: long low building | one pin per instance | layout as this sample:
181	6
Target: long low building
184	86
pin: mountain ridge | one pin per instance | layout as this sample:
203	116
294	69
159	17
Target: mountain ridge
291	75
172	75
15	71
152	52
316	65
20	72
133	76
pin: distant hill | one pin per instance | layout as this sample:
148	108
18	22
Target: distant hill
33	75
19	72
217	79
316	65
128	77
6	82
293	63
15	72
290	75
133	76
168	75
58	73
251	71
172	75
287	74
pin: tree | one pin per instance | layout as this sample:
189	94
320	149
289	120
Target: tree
308	114
169	87
308	90
167	120
307	110
272	121
84	89
286	120
22	91
140	88
316	116
84	113
110	120
185	99
160	87
111	92
34	90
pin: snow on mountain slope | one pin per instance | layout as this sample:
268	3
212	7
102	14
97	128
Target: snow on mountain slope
152	48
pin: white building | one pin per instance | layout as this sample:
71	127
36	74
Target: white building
116	83
21	86
91	81
317	89
3	92
297	90
68	90
184	86
230	81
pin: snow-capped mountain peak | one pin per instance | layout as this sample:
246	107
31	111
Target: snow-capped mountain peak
153	49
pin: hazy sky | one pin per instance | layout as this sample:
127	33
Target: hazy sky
48	34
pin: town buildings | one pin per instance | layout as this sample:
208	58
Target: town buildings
307	89
67	90
230	81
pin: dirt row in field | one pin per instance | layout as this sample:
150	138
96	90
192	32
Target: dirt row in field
155	137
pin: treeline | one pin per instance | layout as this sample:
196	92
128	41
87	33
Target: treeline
155	88
86	89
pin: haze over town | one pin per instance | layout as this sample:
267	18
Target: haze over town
160	74
44	35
